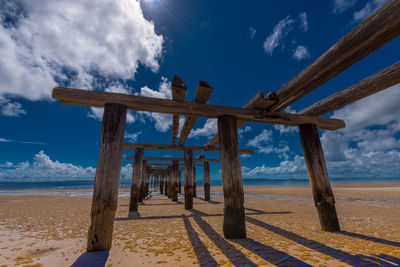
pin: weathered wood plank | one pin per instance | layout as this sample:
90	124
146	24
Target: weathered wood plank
206	181
105	194
318	173
180	181
179	91
258	102
234	217
375	31
371	85
179	148
141	103
169	164
188	179
143	184
170	159
136	182
170	182
203	93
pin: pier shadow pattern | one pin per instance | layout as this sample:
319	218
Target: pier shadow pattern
267	253
91	259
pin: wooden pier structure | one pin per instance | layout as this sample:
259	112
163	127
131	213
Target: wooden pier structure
375	31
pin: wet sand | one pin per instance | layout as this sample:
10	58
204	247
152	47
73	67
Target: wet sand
281	222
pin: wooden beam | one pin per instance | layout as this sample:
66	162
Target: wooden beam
165	147
371	85
375	31
206	181
203	93
318	173
141	103
234	218
170	164
170	159
179	91
136	182
258	102
105	194
188	179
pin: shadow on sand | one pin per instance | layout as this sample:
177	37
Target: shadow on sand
89	259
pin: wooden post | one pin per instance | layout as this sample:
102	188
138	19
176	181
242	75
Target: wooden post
234	218
136	182
194	182
180	182
105	194
188	180
318	173
161	184
143	183
146	187
175	172
206	181
165	183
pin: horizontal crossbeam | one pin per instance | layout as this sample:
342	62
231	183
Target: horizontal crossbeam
79	97
179	148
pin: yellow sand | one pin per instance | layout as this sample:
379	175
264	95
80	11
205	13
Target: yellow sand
51	230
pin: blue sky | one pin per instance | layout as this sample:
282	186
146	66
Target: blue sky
136	47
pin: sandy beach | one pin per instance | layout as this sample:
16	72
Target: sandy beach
281	222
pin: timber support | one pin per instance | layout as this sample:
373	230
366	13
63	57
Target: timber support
318	173
234	218
105	195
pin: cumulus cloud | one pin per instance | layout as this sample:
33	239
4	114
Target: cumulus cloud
283	130
241	131
72	42
280	31
12	109
341	5
303	21
287	169
132	137
367	10
209	128
301	52
252	32
44	168
264	137
162	122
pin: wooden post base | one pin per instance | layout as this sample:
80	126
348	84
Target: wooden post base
318	173
105	194
234	217
136	180
175	171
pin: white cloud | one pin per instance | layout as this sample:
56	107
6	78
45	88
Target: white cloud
162	121
72	42
286	169
44	168
282	129
264	137
281	30
300	53
97	114
252	32
241	131
12	109
342	5
132	137
303	21
209	129
367	10
21	142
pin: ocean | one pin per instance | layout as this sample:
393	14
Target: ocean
124	183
